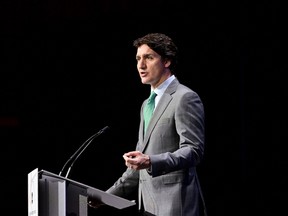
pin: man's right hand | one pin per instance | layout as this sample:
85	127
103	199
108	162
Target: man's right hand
95	203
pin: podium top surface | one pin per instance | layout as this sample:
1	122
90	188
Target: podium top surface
106	198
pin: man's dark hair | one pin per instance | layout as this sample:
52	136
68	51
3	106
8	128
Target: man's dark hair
161	44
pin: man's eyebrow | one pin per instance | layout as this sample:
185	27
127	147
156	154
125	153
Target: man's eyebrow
145	55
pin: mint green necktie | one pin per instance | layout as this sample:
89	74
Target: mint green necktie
149	108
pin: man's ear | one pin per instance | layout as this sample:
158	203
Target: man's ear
167	63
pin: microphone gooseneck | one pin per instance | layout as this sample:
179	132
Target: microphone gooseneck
80	150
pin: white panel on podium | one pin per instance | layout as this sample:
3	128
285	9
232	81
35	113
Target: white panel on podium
33	193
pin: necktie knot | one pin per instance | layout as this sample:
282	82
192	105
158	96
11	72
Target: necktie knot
151	98
149	108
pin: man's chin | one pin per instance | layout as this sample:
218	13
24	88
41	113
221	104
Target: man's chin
145	81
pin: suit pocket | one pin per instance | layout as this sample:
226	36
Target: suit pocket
173	178
163	121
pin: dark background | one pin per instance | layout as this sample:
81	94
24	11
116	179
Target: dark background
68	69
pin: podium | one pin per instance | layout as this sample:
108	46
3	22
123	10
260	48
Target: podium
52	195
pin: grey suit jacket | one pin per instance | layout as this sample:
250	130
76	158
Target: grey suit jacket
174	140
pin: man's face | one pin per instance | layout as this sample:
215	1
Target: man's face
153	70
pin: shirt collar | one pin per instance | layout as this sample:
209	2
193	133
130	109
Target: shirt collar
161	88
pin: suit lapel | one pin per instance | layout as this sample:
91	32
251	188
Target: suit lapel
162	105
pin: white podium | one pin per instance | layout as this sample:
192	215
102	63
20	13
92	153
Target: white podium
53	195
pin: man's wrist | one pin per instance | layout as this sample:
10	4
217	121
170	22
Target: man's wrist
148	162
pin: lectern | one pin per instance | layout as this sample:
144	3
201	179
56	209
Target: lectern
52	195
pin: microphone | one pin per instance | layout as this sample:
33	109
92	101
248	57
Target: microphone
79	151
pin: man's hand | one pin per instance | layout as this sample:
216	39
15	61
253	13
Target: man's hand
94	203
137	160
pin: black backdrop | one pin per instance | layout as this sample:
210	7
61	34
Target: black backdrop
68	69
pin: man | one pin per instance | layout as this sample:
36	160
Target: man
163	166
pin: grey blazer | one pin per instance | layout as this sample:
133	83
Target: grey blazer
174	142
